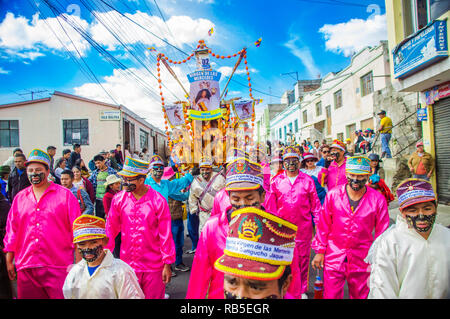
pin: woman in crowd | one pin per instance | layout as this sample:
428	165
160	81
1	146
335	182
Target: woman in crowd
82	182
309	167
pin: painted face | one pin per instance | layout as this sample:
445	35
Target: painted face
336	153
356	182
36	173
129	184
243	288
421	216
291	164
157	171
91	254
206	172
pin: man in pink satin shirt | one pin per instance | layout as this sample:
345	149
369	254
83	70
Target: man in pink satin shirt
142	216
351	214
244	188
38	233
293	197
333	174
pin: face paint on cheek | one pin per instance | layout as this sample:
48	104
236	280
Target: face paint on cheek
130	187
429	219
336	155
95	252
36	178
356	184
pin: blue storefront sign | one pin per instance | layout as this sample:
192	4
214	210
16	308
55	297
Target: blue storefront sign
425	47
422	115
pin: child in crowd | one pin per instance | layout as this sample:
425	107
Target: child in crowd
98	275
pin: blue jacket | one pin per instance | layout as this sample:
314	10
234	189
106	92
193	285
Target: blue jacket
89	206
167	188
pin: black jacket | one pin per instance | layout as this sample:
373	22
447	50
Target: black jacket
16	183
74	156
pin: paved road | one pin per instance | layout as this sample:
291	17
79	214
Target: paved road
177	288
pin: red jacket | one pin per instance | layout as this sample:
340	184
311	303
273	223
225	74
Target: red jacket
107	200
89	189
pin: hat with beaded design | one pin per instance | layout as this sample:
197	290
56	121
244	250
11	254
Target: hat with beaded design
358	165
205	161
38	156
243	174
156	160
133	167
259	245
413	191
338	144
88	227
291	152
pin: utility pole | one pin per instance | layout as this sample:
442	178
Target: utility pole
290	73
33	92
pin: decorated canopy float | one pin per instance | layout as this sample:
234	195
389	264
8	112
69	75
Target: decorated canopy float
206	124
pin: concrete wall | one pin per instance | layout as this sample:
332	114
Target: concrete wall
41	125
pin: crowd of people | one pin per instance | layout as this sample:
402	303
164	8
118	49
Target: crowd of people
115	228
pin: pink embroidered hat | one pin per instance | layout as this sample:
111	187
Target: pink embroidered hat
243	174
413	191
259	245
291	151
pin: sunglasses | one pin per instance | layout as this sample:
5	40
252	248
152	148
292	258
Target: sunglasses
325	152
128	180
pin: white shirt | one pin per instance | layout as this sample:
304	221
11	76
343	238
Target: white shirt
405	265
312	172
292	179
113	279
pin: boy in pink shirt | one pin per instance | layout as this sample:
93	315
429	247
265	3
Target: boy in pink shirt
142	216
39	233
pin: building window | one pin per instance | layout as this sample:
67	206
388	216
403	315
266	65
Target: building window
337	99
319	109
437	8
296	126
305	116
76	131
340	136
279	134
9	133
143	139
418	13
367	84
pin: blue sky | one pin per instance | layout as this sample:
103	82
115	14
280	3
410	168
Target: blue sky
309	37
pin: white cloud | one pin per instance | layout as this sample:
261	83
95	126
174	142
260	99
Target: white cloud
133	96
354	35
3	71
226	71
185	29
304	54
27	38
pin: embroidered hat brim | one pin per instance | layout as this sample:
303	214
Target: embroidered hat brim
408	198
249	269
126	173
88	227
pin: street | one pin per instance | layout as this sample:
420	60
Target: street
177	287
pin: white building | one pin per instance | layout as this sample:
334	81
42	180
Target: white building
342	104
62	120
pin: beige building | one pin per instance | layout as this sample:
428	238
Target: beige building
344	102
63	119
